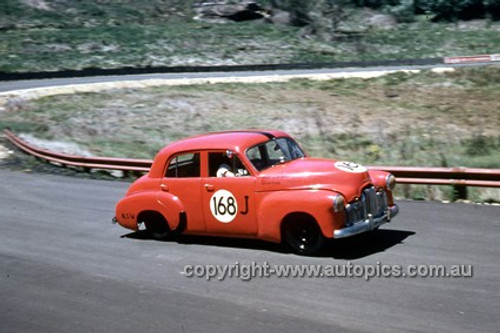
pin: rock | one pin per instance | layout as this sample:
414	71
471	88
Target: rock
245	11
281	17
58	47
96	47
295	18
234	12
300	18
36	4
382	21
89	47
4	152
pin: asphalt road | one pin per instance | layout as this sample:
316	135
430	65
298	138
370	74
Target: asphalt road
28	84
65	267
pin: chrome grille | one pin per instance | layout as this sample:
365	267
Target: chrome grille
370	202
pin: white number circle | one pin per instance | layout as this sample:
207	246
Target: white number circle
350	167
223	206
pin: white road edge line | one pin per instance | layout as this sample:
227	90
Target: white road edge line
35	93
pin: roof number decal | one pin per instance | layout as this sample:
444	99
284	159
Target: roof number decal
350	167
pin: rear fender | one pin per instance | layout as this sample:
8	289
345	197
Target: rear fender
128	209
172	209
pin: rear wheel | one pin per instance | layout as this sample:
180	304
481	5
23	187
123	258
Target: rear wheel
303	235
156	225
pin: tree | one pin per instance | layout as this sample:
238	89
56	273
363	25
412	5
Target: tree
493	9
452	10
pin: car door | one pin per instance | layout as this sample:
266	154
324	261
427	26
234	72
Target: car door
228	202
182	182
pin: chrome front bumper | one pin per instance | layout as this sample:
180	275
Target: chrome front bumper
367	225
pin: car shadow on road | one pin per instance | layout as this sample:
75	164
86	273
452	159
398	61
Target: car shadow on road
240	243
364	245
350	248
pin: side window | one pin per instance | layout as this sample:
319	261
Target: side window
220	165
184	166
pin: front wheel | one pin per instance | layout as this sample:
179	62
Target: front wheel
304	236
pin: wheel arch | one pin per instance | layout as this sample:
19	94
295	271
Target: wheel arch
151	214
279	207
159	216
293	217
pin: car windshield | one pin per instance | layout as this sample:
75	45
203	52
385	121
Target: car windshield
272	152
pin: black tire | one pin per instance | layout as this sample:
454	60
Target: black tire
303	236
156	226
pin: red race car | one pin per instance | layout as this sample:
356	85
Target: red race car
256	184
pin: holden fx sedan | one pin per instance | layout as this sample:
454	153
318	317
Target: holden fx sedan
256	184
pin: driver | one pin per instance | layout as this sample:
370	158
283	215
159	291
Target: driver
225	171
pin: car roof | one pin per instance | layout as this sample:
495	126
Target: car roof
235	140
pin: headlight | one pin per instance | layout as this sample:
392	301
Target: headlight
390	182
338	203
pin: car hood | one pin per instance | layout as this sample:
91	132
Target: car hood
316	174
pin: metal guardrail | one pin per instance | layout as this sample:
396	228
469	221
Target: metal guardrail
110	163
472	59
458	177
444	176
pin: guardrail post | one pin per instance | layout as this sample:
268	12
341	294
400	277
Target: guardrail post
459	192
407	190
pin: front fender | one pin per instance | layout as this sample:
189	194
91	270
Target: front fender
378	179
276	206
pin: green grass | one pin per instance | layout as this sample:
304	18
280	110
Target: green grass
110	34
76	13
140	46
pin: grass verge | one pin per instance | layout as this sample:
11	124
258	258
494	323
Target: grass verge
424	119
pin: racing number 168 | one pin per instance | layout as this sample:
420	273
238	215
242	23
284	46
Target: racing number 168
223	208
